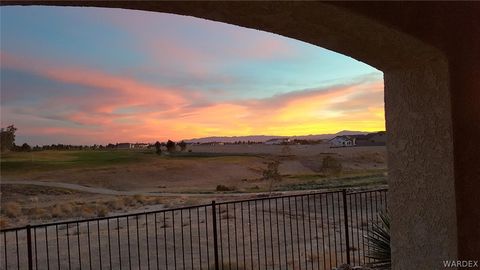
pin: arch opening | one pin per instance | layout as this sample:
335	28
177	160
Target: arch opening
416	77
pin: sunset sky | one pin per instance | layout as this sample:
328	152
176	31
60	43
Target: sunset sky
91	75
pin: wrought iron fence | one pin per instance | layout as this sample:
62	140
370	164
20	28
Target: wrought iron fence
302	231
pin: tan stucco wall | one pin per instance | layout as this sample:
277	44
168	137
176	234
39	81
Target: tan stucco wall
421	172
453	28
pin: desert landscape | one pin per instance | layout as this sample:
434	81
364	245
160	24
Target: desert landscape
294	232
51	185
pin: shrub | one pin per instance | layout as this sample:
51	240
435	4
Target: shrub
12	209
378	242
331	165
117	204
158	200
102	211
40	213
139	198
86	211
129	201
225	188
66	208
3	223
56	211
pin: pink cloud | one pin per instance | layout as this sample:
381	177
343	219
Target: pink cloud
125	109
124	91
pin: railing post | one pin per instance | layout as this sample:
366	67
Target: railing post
345	219
29	247
215	239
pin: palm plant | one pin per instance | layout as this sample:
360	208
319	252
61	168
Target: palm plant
379	244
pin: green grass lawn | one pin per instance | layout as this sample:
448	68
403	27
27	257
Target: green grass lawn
23	162
347	181
15	162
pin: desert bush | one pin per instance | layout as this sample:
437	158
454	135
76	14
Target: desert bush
139	198
117	204
157	200
60	210
102	211
12	209
225	188
66	208
40	213
85	211
129	201
378	242
331	165
56	211
4	223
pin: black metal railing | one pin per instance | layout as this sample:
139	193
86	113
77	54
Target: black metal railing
301	231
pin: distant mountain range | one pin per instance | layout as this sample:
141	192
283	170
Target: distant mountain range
263	138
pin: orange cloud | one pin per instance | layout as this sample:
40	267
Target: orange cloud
125	109
126	91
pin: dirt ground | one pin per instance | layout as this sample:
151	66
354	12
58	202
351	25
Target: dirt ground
203	174
240	170
293	233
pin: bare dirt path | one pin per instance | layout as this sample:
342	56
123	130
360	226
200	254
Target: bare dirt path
105	191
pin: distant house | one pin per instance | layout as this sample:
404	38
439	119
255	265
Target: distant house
278	141
343	141
372	139
124	145
140	145
379	138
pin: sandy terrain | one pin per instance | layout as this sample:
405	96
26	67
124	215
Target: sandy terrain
241	170
294	233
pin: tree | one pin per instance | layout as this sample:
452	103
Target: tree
7	137
171	146
158	150
25	148
183	146
109	146
272	174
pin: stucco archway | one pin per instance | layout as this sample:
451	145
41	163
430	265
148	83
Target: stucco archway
426	187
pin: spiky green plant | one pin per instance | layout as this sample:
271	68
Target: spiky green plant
379	244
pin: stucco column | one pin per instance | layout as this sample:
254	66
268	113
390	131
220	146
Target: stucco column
421	172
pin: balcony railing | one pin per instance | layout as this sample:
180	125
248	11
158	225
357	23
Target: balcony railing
301	231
